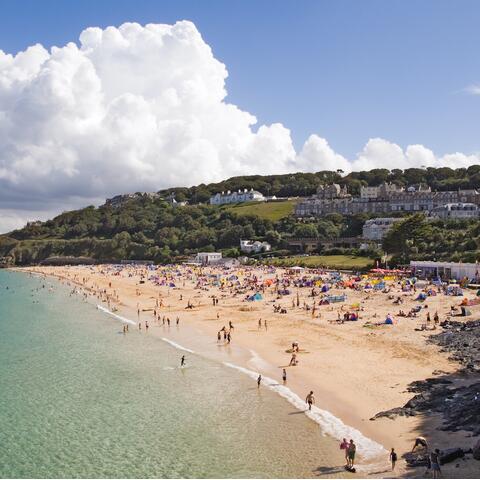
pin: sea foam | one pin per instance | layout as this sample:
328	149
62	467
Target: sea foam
118	317
176	345
329	424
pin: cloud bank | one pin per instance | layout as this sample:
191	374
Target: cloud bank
139	108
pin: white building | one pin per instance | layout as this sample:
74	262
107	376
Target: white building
208	258
383	190
248	246
237	197
456	210
446	270
377	228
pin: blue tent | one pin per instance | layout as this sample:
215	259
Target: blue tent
256	297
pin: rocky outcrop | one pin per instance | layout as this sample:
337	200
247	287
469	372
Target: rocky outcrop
462	341
459	406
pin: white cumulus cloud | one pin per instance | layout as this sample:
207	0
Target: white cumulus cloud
139	108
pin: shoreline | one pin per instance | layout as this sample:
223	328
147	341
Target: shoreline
264	356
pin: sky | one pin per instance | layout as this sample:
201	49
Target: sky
241	87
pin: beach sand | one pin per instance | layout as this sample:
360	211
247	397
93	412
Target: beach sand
354	371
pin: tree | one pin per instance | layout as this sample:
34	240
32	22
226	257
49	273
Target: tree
305	231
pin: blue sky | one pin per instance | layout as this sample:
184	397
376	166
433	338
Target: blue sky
346	70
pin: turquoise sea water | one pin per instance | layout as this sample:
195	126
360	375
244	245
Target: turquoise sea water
80	399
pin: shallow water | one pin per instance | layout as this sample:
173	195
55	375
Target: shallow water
78	398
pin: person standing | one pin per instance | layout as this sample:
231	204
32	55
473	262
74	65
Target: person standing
284	376
393	458
182	361
344	446
259	381
310	400
435	463
352	449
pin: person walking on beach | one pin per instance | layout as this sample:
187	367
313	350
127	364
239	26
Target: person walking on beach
284	376
139	326
293	360
265	323
259	323
393	458
178	320
219	336
182	361
146	325
310	400
124	329
352	449
259	381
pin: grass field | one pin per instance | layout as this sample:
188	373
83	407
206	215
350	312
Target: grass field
343	262
273	211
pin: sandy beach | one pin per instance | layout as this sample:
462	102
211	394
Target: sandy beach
355	370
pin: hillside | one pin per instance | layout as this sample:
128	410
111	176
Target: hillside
150	227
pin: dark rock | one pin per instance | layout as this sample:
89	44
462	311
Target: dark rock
459	406
451	454
476	450
415	459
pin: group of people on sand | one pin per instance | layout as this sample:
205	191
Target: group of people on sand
227	333
350	450
433	457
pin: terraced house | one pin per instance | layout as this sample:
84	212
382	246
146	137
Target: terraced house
385	198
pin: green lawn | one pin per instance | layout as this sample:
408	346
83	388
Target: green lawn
347	262
273	211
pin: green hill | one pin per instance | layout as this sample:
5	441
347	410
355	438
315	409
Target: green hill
273	211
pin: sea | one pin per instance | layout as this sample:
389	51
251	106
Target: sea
78	398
